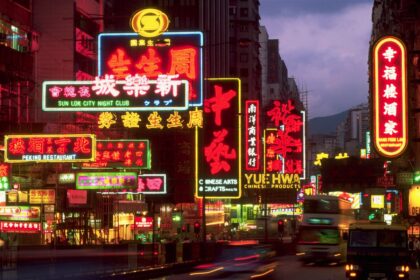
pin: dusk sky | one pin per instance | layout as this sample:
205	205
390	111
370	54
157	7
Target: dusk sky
325	45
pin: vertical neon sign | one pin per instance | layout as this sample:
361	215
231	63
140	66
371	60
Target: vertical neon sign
252	135
390	97
219	150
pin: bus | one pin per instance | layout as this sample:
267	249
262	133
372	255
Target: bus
325	222
376	250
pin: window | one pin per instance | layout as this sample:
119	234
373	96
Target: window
244	57
244	12
243	27
232	11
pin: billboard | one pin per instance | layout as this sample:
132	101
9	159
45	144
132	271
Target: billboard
49	148
177	56
390	97
219	157
252	135
133	93
152	184
106	180
41	196
20	213
119	154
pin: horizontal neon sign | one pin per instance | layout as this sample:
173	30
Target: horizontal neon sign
173	53
106	180
134	93
20	227
50	148
120	154
20	213
152	184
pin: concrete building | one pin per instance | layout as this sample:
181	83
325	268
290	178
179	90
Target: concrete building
67	45
18	42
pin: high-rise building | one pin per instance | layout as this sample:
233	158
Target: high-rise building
18	42
67	45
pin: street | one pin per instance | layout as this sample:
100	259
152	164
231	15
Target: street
288	267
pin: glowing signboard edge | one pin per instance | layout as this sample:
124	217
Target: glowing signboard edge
239	145
376	110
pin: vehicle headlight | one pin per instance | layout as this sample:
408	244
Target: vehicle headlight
350	267
402	268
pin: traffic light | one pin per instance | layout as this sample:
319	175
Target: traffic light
280	226
196	227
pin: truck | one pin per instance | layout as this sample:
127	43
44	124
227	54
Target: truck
376	250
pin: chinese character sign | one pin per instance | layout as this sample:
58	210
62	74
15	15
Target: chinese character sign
220	141
390	97
152	184
106	180
4	176
252	135
41	196
20	227
50	148
285	142
121	154
173	54
107	93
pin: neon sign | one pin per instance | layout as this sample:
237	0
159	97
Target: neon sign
285	143
20	227
143	222
106	180
152	120
221	154
149	22
120	154
20	213
252	135
390	97
4	176
50	148
136	93
152	184
41	196
172	54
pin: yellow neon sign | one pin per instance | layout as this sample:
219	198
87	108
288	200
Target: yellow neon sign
149	22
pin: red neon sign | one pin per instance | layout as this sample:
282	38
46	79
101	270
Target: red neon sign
121	154
21	227
252	135
50	148
390	97
285	143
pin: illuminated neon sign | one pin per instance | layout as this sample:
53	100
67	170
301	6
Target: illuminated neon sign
149	22
4	176
152	184
20	227
134	92
50	148
120	154
390	97
286	145
220	175
252	135
20	213
172	53
41	196
153	120
106	180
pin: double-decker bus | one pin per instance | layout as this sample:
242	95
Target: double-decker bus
325	221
